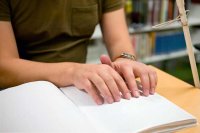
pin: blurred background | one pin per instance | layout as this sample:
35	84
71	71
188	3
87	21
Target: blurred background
164	48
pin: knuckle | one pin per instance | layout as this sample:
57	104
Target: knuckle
109	79
128	63
144	73
152	71
126	66
130	75
104	66
86	75
87	85
119	79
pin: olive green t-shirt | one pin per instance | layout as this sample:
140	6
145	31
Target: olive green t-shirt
54	30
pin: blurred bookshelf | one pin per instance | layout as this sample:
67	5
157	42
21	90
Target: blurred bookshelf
171	55
154	45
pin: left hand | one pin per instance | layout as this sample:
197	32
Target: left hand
130	70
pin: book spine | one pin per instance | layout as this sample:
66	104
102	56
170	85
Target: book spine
169	42
170	9
150	12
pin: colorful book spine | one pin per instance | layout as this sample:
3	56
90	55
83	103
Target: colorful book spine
169	42
152	12
148	44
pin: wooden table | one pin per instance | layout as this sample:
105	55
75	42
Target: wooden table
182	94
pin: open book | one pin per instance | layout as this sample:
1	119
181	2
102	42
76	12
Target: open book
42	107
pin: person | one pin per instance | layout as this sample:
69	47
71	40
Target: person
47	40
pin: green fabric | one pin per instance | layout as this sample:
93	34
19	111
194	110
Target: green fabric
54	30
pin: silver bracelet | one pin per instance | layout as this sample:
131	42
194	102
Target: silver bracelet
127	56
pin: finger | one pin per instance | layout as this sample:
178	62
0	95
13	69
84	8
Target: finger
156	77
122	86
152	82
102	88
112	85
145	81
129	77
92	91
105	59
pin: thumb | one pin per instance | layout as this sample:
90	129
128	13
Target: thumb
105	59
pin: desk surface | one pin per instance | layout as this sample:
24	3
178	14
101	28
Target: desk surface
182	94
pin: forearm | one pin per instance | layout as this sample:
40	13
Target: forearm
17	71
116	34
118	46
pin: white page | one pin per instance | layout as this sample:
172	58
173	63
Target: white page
128	116
40	107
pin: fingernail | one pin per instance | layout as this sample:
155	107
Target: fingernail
99	102
152	91
118	98
137	94
128	96
145	92
110	100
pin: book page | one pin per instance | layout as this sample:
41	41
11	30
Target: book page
40	107
135	115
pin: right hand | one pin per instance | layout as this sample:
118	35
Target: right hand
101	82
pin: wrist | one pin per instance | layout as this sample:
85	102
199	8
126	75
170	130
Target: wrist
61	74
125	55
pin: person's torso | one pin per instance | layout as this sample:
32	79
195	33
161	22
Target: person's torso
54	30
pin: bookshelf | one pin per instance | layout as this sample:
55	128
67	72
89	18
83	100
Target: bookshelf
97	49
162	57
194	22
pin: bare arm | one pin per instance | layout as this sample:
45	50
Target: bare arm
14	70
116	34
117	41
98	80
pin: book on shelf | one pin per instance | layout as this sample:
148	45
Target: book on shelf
196	1
170	9
158	43
169	42
152	12
42	107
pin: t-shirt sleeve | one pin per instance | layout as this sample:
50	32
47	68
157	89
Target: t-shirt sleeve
111	5
4	10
